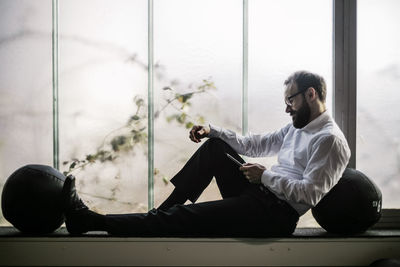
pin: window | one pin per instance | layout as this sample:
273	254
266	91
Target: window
194	47
378	83
220	61
102	76
301	40
25	88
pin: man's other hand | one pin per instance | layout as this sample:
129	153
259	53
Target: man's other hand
198	132
253	172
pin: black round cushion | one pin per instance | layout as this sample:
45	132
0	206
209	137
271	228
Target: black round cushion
32	199
351	206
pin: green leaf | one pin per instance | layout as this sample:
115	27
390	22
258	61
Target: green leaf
117	142
90	158
135	118
181	118
186	97
201	119
165	180
189	125
72	165
172	117
139	101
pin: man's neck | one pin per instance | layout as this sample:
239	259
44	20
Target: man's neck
317	111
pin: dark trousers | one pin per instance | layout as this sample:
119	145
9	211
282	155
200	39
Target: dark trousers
246	210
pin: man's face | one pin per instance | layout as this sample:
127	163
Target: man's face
298	109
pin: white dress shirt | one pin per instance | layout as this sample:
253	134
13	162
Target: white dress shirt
310	160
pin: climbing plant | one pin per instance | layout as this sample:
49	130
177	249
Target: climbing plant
126	138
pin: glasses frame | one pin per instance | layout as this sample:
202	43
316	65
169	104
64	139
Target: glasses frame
287	99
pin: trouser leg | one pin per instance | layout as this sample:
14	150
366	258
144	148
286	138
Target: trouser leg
250	214
207	162
244	210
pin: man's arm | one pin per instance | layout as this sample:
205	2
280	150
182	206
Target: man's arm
252	145
329	158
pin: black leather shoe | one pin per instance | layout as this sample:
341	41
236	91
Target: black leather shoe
72	201
77	221
76	212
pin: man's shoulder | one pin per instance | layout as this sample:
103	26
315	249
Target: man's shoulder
328	130
330	133
333	129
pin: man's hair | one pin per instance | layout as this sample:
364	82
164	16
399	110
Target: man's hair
306	79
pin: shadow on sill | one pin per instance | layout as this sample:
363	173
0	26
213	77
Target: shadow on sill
8	231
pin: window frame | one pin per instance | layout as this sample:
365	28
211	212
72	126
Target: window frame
344	80
345	87
150	106
345	71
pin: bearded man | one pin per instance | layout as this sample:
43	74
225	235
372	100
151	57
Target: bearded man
256	201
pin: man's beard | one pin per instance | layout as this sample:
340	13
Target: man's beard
302	116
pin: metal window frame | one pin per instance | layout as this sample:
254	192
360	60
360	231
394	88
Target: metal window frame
245	67
345	70
345	87
150	105
55	64
344	81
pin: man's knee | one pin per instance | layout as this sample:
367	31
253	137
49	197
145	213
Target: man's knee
216	142
217	147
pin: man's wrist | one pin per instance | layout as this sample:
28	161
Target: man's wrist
215	131
207	130
266	177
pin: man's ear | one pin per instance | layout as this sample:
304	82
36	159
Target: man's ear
311	94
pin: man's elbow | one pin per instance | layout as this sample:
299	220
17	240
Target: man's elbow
310	195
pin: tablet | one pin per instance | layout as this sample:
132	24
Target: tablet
234	160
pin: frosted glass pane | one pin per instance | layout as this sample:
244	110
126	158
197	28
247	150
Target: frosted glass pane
284	37
195	40
103	73
378	83
25	86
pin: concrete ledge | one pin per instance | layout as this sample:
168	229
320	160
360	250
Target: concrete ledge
98	249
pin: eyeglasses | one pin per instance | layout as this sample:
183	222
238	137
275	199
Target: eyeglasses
289	100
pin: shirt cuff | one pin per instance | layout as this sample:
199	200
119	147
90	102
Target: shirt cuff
215	131
266	178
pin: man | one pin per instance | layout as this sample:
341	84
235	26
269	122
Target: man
312	155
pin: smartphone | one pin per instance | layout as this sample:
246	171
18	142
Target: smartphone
234	160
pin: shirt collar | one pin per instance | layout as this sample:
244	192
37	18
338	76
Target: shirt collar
316	124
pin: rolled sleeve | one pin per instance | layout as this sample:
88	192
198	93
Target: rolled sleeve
266	177
215	131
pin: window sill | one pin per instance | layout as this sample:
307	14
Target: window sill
307	247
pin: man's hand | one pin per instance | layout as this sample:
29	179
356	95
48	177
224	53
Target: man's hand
198	132
253	172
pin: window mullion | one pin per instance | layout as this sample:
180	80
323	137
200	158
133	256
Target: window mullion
150	115
345	70
55	54
245	71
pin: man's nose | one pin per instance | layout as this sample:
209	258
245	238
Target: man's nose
288	109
